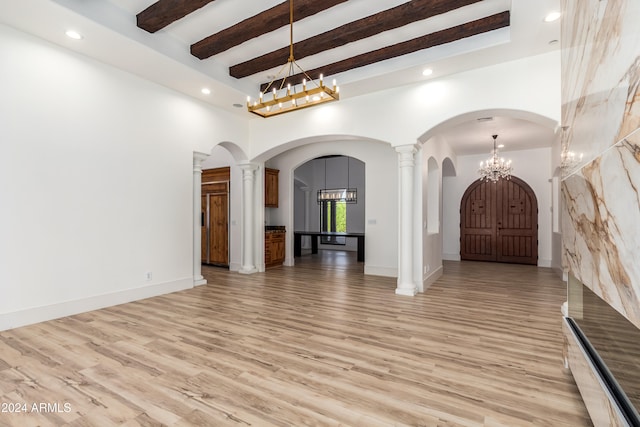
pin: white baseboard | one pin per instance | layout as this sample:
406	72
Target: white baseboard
33	315
380	271
235	266
451	257
544	263
430	279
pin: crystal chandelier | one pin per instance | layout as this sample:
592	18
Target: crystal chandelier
495	167
277	99
569	160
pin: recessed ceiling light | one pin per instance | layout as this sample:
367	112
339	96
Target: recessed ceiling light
553	42
237	105
427	72
484	119
72	34
500	145
206	91
552	16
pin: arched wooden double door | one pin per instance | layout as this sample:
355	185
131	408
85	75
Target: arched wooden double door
499	222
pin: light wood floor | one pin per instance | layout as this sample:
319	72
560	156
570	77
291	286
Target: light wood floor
311	345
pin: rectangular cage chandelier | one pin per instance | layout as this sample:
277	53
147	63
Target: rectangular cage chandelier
277	99
347	195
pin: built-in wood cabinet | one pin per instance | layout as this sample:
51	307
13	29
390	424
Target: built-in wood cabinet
271	188
274	251
215	216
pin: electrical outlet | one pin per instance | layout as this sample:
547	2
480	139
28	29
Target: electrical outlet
148	275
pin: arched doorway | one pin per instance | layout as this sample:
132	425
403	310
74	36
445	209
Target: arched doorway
499	222
339	220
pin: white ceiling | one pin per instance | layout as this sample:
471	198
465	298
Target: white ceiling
111	35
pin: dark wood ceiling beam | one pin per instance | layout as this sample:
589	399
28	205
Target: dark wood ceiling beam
449	35
399	16
164	12
265	22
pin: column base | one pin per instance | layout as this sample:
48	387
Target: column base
410	292
199	281
248	270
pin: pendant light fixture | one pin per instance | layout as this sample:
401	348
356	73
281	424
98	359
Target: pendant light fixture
277	99
495	167
347	195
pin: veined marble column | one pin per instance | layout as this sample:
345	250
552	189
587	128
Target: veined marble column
406	162
198	158
248	241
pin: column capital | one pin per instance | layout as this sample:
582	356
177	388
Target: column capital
198	158
406	155
408	149
248	166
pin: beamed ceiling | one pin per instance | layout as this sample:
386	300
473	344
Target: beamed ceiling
234	47
369	23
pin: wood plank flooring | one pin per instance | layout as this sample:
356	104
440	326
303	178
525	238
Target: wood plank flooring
320	344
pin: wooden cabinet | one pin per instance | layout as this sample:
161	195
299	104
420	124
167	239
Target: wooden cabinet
274	251
271	188
215	215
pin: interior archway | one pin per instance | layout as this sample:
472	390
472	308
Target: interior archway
224	154
465	140
330	216
379	204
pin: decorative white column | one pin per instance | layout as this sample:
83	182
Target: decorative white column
198	158
306	240
248	241
406	163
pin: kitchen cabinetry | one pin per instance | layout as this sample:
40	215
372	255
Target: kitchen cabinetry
271	188
274	251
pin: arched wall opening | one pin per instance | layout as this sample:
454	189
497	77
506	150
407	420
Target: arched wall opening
325	173
226	154
379	161
459	165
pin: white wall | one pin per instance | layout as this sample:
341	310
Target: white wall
380	204
435	152
96	182
400	116
532	166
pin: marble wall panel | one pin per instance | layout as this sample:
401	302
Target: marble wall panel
601	226
600	75
601	117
